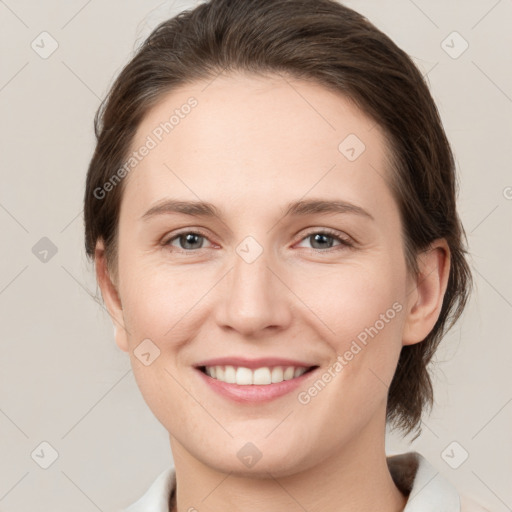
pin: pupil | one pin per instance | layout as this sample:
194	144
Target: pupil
322	236
189	239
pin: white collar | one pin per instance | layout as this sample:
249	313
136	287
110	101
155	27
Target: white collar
428	490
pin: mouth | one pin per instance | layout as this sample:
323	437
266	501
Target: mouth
253	380
262	376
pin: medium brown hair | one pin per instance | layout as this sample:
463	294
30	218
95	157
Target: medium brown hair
327	43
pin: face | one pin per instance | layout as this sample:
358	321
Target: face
297	261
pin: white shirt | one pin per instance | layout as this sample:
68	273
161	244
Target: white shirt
428	490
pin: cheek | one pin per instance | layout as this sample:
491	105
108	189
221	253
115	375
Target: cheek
351	298
161	390
359	309
364	315
156	300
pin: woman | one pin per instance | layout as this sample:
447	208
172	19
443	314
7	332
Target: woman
241	138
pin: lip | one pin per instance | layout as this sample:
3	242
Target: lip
253	363
255	393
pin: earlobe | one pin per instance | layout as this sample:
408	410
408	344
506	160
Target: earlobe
426	298
110	296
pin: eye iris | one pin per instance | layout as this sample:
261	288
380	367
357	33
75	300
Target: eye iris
189	238
316	237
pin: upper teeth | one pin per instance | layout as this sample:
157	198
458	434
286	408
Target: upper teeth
245	376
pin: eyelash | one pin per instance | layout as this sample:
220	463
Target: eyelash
345	243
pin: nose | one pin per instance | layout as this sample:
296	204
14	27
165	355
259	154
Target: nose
254	298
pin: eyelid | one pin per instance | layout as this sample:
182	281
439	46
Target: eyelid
198	231
342	237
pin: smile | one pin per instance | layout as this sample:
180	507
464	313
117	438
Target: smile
262	376
254	385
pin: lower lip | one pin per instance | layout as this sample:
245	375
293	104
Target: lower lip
255	393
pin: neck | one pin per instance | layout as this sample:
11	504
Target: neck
353	478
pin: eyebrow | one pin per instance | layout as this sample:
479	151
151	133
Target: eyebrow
296	208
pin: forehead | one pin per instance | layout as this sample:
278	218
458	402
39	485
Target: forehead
247	134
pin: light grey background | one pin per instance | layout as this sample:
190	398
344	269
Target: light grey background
62	378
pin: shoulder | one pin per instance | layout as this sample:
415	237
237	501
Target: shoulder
156	498
414	475
468	505
427	489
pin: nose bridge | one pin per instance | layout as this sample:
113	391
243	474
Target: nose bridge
254	298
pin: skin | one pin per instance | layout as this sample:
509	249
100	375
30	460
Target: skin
252	145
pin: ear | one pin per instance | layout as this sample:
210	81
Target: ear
110	296
427	293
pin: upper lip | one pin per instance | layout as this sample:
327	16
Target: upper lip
253	363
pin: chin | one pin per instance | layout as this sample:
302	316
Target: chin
249	461
262	470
